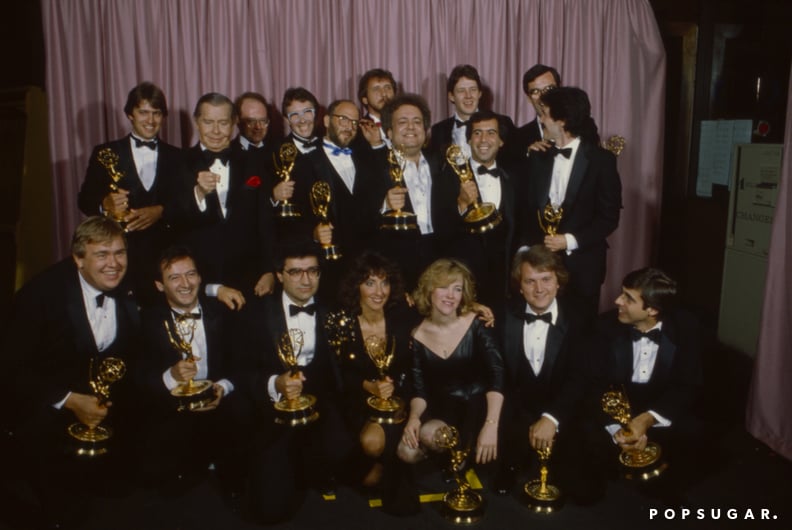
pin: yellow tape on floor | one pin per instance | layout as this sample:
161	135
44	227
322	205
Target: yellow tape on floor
471	477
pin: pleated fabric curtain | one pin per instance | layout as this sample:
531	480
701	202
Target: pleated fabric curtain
97	50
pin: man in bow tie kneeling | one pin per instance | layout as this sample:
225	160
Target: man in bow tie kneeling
546	375
186	340
284	458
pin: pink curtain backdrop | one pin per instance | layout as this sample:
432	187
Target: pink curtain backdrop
769	416
97	50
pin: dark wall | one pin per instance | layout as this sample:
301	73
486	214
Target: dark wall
738	69
23	34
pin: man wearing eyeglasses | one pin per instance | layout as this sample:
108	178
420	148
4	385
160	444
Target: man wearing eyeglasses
253	124
284	458
299	108
579	179
351	215
537	80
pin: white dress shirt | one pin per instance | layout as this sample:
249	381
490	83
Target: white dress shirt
489	185
305	323
224	170
418	180
342	163
535	342
145	161
200	351
458	135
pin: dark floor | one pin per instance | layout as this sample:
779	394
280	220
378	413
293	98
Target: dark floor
743	476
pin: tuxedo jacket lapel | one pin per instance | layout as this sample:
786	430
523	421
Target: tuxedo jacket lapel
665	356
555	339
579	168
84	341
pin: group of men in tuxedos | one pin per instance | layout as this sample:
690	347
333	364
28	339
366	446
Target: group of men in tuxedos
202	244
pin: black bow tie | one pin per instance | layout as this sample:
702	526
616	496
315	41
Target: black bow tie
652	334
491	170
253	148
100	298
295	309
307	142
566	152
460	123
181	317
530	318
224	156
151	144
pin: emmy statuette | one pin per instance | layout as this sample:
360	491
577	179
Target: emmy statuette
644	465
461	505
540	496
191	395
93	441
398	220
391	410
479	217
284	164
320	203
108	160
300	410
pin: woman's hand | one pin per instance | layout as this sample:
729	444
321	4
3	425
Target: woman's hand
487	443
412	431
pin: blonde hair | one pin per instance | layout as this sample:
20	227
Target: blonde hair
442	273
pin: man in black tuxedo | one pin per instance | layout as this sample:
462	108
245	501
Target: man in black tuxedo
406	120
375	89
651	349
166	458
579	177
66	321
224	212
464	92
285	458
253	124
486	253
300	108
352	216
150	171
537	80
545	373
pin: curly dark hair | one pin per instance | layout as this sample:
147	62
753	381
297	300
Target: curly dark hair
366	265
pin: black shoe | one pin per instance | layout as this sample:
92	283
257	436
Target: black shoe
504	480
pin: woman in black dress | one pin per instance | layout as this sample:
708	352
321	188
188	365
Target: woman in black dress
457	372
371	294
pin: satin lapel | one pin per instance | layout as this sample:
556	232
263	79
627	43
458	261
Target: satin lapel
623	361
276	320
84	341
236	181
127	161
127	318
665	356
579	168
555	339
543	180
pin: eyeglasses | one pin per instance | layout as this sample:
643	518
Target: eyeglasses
536	92
346	122
297	274
252	122
298	115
